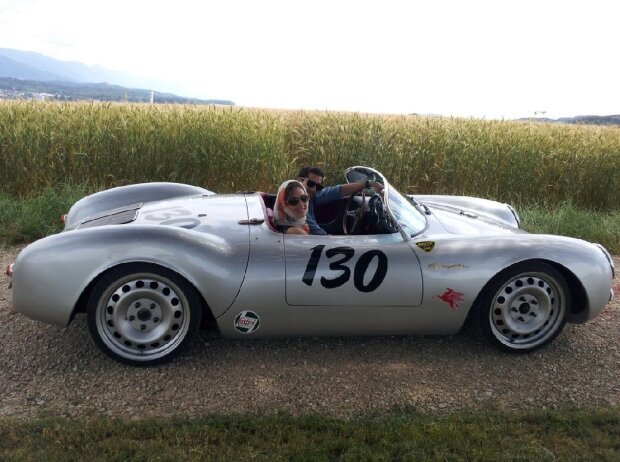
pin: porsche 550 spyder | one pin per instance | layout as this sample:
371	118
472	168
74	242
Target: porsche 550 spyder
151	263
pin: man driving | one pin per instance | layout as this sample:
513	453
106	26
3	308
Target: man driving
312	179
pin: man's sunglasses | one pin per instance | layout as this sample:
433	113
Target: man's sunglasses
313	184
293	201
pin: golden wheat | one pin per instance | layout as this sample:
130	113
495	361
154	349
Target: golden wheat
229	149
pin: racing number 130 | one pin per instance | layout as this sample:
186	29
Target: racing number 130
339	265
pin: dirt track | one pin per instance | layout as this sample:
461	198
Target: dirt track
45	370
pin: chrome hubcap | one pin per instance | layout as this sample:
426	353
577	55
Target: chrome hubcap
527	310
143	317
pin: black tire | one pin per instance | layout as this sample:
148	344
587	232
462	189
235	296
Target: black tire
143	314
524	307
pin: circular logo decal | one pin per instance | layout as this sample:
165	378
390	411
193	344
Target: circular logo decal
247	322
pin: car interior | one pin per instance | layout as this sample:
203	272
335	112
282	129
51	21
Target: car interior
356	215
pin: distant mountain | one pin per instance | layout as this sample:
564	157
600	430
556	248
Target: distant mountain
592	120
52	68
73	71
75	91
582	119
31	66
11	68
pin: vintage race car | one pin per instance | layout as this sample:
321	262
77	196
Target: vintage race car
151	263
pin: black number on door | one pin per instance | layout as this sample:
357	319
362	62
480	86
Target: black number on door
359	272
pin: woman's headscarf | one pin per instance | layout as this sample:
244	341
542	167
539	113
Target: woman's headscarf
283	214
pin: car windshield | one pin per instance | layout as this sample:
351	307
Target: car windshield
410	218
404	209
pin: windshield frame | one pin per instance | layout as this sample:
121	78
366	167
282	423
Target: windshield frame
397	202
402	202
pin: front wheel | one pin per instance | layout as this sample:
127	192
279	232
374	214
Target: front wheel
143	314
524	307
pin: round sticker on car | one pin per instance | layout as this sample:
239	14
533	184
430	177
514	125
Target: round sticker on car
247	322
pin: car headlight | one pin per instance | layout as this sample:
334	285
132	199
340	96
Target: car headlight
609	259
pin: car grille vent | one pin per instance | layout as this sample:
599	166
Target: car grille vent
118	216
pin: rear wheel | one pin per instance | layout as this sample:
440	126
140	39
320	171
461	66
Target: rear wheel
143	314
525	307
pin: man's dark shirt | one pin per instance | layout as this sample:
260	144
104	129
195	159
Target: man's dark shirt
324	196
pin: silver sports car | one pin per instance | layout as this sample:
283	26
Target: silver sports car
151	263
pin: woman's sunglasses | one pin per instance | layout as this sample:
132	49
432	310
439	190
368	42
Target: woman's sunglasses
293	201
313	184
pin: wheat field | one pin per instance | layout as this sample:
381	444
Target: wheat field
225	149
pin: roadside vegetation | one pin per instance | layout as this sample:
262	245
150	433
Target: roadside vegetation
537	436
232	149
568	220
562	179
30	218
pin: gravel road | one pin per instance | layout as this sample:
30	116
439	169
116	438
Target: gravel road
46	370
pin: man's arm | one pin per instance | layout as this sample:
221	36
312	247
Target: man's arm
352	188
327	195
311	221
334	193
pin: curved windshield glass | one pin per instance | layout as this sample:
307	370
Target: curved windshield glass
410	218
404	209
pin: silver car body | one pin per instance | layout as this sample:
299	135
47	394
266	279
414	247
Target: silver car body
422	280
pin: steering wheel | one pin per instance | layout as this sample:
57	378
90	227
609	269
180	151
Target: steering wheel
383	221
348	211
376	208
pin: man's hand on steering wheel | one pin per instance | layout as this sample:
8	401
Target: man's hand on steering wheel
378	187
350	189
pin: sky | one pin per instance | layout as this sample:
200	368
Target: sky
467	58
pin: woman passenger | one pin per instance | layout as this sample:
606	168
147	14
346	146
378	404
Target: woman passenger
291	207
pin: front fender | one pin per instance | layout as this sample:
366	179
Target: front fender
468	264
50	275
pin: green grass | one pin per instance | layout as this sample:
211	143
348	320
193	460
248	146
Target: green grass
568	220
25	220
510	436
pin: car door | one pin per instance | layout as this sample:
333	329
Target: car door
373	270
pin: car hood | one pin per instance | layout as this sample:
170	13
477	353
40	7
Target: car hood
455	222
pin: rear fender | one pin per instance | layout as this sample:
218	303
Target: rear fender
125	195
47	288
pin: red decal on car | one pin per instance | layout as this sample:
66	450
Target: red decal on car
450	297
